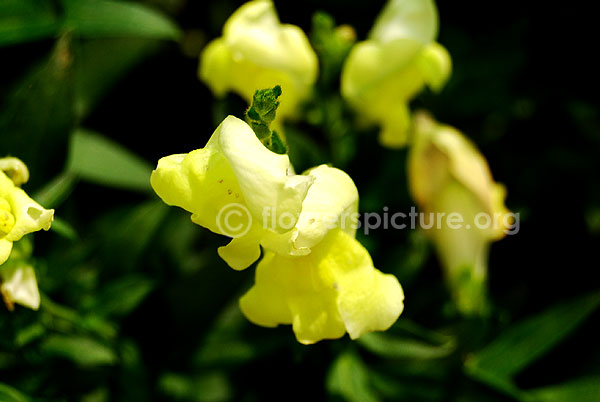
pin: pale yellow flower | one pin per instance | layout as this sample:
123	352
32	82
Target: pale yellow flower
333	290
236	187
447	174
382	74
256	51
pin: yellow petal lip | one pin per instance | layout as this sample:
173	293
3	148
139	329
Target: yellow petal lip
333	290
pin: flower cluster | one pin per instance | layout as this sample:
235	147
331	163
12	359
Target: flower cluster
314	276
19	216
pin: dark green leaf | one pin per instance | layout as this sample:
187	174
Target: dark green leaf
26	20
349	378
81	350
585	389
526	341
94	19
394	347
100	160
9	394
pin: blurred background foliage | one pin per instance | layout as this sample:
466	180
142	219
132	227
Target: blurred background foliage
136	304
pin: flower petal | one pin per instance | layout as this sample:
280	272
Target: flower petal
241	252
331	202
265	178
266	302
19	285
333	289
29	215
215	68
436	65
414	19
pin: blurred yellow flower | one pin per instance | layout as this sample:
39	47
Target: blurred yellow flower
448	175
19	214
333	290
382	74
256	51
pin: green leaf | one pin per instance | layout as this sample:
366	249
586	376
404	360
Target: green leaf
209	387
586	389
38	113
97	159
123	295
64	229
56	191
26	20
127	236
94	19
9	394
349	378
81	350
526	341
394	347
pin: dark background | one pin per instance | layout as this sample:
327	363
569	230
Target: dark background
523	89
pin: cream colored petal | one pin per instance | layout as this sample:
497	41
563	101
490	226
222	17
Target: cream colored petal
414	19
264	176
29	215
435	65
467	164
19	285
331	202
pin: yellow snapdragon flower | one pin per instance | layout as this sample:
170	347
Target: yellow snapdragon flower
314	274
333	290
19	215
257	51
382	74
236	187
447	174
